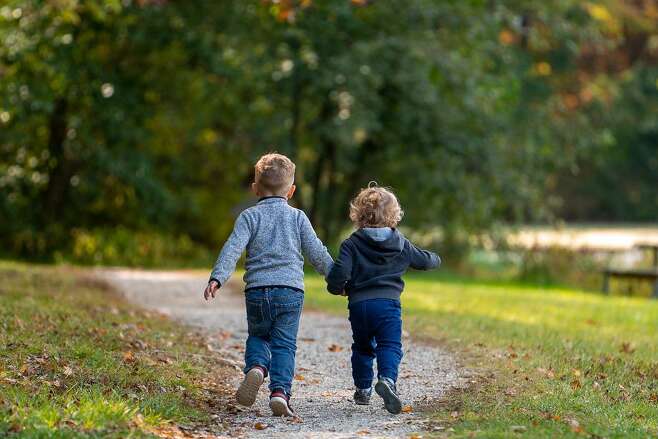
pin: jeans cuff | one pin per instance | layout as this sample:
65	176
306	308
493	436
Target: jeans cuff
263	368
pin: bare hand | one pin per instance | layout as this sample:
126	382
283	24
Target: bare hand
210	290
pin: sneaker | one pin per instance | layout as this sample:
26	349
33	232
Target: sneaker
362	396
248	390
280	404
385	388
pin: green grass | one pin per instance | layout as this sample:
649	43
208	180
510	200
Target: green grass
77	361
544	362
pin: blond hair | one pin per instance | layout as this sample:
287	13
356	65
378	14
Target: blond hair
274	173
375	207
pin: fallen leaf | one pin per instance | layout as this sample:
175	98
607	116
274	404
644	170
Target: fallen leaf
627	348
407	409
575	425
260	426
546	372
67	371
576	384
128	357
510	391
335	348
363	432
299	377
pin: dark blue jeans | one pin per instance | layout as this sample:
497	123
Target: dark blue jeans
273	320
377	332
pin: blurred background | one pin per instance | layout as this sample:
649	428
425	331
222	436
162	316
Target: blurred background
521	137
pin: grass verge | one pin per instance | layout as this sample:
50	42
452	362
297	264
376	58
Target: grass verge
542	362
78	361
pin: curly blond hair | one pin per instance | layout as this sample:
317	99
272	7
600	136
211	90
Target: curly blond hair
375	207
274	173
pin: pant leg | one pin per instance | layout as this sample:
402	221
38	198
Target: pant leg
388	335
257	350
287	307
363	347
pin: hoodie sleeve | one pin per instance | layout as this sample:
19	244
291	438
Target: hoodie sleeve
420	259
341	271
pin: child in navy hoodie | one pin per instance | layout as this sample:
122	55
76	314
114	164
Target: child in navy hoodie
369	271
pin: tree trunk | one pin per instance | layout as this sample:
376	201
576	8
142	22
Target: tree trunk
56	191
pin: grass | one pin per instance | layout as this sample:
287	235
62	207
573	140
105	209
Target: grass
542	362
77	361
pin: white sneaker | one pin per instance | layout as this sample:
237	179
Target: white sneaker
248	390
280	405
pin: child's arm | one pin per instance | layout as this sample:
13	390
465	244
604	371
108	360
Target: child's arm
228	257
420	259
313	248
341	271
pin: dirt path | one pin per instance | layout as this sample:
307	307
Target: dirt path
322	391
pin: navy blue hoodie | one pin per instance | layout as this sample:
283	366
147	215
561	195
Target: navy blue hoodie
370	269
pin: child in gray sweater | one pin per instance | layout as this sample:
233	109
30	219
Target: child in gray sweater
276	237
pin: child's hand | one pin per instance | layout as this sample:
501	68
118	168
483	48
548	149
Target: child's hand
210	290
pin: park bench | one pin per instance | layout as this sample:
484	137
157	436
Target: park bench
646	274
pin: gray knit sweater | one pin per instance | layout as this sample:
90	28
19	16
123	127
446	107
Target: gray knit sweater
275	236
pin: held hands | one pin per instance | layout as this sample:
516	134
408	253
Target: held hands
210	290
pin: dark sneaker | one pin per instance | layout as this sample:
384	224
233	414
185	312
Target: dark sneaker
362	396
248	390
280	404
385	388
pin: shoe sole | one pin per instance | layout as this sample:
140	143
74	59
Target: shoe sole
280	407
248	390
362	403
391	400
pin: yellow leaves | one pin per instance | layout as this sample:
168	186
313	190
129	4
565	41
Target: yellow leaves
506	37
602	14
300	377
260	426
542	68
407	409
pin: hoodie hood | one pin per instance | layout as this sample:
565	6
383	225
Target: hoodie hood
377	251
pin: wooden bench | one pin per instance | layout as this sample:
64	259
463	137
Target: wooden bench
650	274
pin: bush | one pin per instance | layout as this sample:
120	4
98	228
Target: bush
120	246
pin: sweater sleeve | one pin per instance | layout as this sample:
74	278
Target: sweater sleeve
341	271
231	251
420	259
313	248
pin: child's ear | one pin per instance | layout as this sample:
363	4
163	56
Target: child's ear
254	189
291	191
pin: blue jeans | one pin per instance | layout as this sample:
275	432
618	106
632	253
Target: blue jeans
273	320
377	332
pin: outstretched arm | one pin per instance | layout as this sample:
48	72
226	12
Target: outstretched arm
228	257
341	271
312	247
420	259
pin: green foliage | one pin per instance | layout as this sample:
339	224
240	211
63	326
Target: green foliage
149	114
122	246
557	362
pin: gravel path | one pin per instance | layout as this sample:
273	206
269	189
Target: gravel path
322	391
